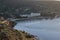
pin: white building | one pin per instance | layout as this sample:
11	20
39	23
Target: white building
34	14
30	15
24	15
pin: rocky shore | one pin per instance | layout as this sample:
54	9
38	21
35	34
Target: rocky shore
9	33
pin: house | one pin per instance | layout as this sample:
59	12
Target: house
34	14
24	15
30	15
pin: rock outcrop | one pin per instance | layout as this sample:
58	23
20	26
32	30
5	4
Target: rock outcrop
9	33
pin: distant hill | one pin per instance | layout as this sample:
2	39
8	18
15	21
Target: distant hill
14	7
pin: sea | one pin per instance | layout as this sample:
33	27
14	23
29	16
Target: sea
45	29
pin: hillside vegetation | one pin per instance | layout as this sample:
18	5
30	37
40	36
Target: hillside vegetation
8	33
15	8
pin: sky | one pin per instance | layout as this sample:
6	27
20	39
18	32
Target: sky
37	0
44	0
47	0
18	1
14	1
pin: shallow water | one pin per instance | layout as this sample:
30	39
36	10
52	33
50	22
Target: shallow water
44	29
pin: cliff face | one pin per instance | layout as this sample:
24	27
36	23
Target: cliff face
8	33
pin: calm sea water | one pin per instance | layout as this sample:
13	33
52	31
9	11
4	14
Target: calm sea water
44	29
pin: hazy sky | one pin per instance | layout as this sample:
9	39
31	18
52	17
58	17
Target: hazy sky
43	0
30	0
37	0
47	0
15	1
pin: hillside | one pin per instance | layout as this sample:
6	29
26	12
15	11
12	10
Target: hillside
7	32
15	8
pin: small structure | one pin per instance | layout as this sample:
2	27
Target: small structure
25	15
30	15
34	14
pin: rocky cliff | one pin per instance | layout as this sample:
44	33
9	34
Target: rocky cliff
9	33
